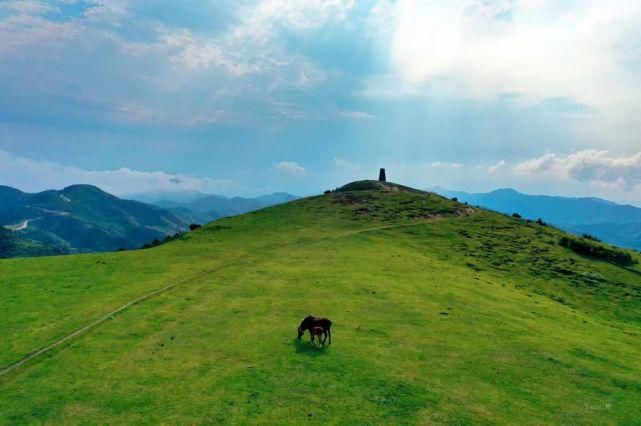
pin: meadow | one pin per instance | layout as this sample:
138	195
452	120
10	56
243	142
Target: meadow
442	312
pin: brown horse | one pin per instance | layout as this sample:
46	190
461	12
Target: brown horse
318	327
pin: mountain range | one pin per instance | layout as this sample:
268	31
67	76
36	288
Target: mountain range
83	218
611	222
211	207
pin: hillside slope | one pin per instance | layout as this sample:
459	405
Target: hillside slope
615	223
12	245
442	314
83	218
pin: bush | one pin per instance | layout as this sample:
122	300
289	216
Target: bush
156	242
329	191
598	251
590	237
455	199
516	215
194	226
540	222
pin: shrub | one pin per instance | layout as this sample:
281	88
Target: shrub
598	251
194	226
590	237
156	242
540	222
516	215
455	199
329	191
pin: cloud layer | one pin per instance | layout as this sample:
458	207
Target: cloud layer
586	166
31	175
538	93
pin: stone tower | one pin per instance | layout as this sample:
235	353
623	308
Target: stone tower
381	176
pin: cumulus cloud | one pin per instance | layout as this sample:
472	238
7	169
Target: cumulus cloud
31	175
526	51
586	166
537	49
290	168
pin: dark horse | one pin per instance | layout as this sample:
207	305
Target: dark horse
318	327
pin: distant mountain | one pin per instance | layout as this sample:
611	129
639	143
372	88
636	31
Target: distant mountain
212	207
614	223
168	196
83	218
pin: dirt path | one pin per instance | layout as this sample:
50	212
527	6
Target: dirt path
175	284
102	319
22	226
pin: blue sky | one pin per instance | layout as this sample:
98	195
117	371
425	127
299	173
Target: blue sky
255	96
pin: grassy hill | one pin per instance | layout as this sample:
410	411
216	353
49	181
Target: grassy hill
442	314
83	218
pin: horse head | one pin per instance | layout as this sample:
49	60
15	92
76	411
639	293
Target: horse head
304	326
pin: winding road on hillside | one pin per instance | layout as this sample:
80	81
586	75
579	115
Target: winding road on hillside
25	223
193	277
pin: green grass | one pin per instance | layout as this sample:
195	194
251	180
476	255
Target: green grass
442	314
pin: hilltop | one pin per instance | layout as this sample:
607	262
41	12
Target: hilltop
443	313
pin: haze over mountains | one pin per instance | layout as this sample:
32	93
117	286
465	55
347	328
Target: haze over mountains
206	208
614	223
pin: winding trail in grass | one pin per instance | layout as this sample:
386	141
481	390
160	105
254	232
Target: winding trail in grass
175	284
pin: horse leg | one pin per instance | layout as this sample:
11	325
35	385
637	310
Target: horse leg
329	333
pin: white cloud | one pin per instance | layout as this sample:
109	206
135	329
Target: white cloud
293	15
184	47
590	166
32	175
586	51
355	115
538	52
345	164
290	167
27	7
444	165
20	31
111	12
497	167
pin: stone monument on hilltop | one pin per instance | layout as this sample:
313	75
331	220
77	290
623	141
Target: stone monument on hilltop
381	176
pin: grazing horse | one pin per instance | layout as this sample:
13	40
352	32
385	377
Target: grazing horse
318	327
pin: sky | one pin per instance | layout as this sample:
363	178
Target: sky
248	97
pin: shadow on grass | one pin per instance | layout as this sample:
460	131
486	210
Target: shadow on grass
305	347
